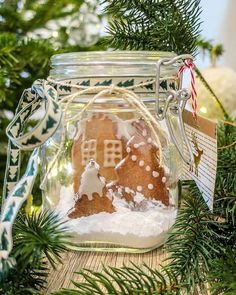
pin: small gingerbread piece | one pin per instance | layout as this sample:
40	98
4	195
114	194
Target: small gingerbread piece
92	196
140	171
85	207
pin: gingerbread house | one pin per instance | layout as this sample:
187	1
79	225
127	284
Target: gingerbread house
98	137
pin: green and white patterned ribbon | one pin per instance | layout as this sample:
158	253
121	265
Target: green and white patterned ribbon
16	191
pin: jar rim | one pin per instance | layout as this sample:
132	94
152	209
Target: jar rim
103	57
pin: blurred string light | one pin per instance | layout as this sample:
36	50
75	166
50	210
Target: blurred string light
203	110
222	81
65	167
82	28
218	96
29	207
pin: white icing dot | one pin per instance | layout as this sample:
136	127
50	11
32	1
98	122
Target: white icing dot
139	188
155	174
149	140
136	145
147	168
141	163
150	186
144	133
119	190
128	150
134	158
163	179
127	189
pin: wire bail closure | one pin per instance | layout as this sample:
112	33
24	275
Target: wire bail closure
175	102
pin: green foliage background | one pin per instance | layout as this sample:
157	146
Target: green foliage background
23	59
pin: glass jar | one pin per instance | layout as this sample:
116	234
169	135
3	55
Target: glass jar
115	177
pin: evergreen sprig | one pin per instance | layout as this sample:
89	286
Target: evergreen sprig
39	234
124	281
39	241
223	274
170	25
193	242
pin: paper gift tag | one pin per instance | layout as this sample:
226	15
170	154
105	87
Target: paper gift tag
202	134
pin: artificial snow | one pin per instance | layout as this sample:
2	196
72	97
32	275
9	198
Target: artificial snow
142	225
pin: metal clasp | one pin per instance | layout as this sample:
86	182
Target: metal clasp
174	104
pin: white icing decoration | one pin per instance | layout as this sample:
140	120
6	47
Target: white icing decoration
149	140
124	127
110	194
150	186
144	133
155	174
138	198
120	164
128	150
141	163
133	157
88	151
139	188
127	189
137	145
147	168
90	181
120	190
112	152
103	179
163	179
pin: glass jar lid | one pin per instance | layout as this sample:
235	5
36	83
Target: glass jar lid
110	63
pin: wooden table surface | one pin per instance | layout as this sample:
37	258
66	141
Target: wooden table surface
74	261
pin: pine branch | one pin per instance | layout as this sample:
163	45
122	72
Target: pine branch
39	240
193	242
124	281
42	13
223	274
225	193
154	25
38	235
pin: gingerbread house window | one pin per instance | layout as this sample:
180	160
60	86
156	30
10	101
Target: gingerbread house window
88	151
112	152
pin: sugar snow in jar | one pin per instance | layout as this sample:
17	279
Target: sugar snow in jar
111	169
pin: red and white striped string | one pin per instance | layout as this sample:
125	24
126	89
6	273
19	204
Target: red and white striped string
188	64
